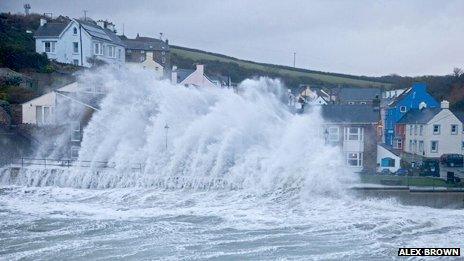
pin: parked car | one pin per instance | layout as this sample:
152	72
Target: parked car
452	160
402	172
430	167
385	172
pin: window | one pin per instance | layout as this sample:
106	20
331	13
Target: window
119	53
421	130
415	129
111	52
351	103
74	30
38	115
163	60
403	109
410	129
387	162
363	103
75	131
97	49
163	53
43	115
353	133
436	129
49	47
399	144
462	145
421	146
75	47
333	133
74	152
434	146
454	129
76	62
354	159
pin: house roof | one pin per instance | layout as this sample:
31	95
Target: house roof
396	152
54	29
87	99
460	116
342	113
145	43
418	116
358	94
183	73
8	73
51	29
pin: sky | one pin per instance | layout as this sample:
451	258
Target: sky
362	37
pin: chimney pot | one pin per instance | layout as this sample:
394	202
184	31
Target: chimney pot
43	21
444	104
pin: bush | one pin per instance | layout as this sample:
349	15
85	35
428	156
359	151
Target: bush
17	58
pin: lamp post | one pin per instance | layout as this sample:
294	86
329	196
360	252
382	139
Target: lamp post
326	136
166	128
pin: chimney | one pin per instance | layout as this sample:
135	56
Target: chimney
444	104
43	21
101	23
201	68
174	75
422	105
167	41
110	26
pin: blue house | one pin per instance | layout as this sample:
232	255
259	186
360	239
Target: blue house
409	99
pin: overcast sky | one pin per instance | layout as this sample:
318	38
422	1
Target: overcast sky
356	37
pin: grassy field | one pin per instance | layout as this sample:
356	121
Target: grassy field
331	78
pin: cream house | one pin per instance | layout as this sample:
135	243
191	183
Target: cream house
432	132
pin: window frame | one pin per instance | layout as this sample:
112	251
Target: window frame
74	148
332	134
348	134
358	157
74	31
97	48
438	127
403	109
431	146
51	48
75	47
76	129
457	129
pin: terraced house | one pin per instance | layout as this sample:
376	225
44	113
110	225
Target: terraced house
81	42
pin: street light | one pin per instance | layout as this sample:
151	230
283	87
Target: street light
166	128
326	136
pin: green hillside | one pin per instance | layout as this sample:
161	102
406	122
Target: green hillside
180	54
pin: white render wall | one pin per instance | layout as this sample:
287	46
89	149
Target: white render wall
384	153
447	142
64	52
151	65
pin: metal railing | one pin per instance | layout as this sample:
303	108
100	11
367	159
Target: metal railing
68	163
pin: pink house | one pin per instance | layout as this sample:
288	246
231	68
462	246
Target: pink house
197	77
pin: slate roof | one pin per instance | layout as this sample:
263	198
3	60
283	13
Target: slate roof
182	74
54	29
396	152
358	94
417	116
51	29
342	113
145	43
460	116
90	99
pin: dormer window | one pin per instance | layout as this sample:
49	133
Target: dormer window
403	109
74	30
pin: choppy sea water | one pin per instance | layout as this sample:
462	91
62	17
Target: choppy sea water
51	223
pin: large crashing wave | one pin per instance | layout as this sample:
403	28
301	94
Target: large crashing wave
201	137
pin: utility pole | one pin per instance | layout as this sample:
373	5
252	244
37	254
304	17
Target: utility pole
166	128
294	59
85	14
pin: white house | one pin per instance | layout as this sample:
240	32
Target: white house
79	42
388	158
197	78
432	132
354	129
314	97
41	110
